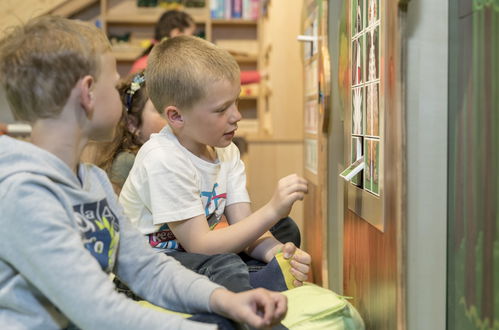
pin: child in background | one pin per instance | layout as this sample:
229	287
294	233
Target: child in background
189	175
171	24
63	230
139	120
174	23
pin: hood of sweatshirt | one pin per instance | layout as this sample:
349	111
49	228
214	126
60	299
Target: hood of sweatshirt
19	157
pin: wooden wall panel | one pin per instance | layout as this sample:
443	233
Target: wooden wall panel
314	234
283	119
370	271
267	162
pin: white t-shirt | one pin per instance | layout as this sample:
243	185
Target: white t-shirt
168	183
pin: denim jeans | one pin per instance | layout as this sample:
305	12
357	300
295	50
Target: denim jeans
226	269
221	322
286	230
231	270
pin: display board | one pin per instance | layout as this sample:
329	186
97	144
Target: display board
365	134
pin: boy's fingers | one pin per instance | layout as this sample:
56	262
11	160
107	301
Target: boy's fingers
281	306
268	308
301	187
293	179
299	275
288	250
299	196
253	319
302	257
258	316
302	268
297	283
294	188
295	196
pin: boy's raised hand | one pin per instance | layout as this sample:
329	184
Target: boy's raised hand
289	189
300	262
258	308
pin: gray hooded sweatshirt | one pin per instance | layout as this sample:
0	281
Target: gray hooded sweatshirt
60	237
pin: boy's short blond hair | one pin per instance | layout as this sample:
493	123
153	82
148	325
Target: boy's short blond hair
180	68
41	61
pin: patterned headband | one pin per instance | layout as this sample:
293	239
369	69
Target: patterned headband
137	82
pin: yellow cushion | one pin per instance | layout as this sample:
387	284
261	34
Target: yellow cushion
312	307
161	309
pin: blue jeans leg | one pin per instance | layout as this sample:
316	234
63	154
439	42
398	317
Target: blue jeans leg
226	269
221	322
286	230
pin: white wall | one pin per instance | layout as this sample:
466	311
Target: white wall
336	159
426	72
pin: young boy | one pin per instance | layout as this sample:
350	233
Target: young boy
189	175
63	230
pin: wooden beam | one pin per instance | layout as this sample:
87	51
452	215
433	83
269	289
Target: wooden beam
15	12
71	7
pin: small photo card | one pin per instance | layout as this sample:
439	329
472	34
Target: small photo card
352	170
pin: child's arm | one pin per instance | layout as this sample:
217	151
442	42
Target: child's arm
267	246
44	254
53	262
195	235
170	285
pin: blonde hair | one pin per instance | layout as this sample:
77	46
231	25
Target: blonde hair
180	68
41	61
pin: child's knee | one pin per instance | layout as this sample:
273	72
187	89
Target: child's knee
231	260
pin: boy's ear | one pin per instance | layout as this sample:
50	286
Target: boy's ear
174	116
87	99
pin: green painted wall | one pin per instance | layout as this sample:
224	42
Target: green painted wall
473	199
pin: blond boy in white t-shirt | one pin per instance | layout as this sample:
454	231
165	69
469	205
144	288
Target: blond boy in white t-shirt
189	175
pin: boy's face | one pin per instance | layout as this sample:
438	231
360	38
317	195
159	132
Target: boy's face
108	108
213	120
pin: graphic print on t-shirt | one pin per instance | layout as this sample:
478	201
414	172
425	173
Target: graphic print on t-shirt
100	229
214	203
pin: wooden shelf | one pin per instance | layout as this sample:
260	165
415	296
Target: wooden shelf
126	54
128	12
123	56
68	8
248	97
247	127
246	59
233	21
